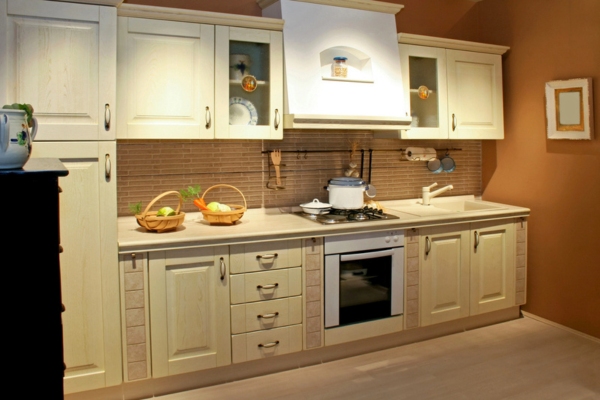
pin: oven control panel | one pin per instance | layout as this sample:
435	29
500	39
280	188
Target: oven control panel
364	241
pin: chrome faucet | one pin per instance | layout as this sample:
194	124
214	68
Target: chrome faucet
428	194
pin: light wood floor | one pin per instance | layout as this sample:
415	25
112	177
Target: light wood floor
520	359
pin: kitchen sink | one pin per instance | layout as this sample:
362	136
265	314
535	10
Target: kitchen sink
446	207
462	206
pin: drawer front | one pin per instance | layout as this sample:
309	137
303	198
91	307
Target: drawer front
269	285
264	344
268	256
266	314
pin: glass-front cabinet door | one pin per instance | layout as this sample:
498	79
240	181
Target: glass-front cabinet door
248	83
425	89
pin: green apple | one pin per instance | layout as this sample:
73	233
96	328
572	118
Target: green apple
165	212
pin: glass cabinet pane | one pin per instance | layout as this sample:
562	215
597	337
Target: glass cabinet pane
424	93
249	80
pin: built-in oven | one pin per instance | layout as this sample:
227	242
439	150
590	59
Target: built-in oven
364	277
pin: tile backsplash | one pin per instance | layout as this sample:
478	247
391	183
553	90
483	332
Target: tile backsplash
147	168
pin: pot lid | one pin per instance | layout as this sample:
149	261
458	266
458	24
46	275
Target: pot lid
316	204
346	181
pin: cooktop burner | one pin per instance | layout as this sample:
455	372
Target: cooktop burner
336	216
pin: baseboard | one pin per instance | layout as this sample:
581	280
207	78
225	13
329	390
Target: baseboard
565	328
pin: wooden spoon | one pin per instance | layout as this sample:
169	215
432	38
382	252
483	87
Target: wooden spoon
276	158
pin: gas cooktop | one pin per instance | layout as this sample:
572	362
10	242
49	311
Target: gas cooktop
336	216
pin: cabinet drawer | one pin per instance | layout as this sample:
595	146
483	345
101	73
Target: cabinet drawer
267	285
266	314
269	343
268	256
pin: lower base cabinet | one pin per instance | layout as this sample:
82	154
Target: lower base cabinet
266	343
466	269
189	310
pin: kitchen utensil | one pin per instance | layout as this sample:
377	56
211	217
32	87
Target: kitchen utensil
151	222
434	165
224	217
370	190
242	112
447	163
276	158
15	138
315	207
346	193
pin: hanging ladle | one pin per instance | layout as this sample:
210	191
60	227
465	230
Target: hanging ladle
370	189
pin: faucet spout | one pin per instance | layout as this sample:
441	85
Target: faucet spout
428	194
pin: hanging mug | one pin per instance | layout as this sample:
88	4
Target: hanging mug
447	163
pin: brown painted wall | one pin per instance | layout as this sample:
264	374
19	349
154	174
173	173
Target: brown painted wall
559	180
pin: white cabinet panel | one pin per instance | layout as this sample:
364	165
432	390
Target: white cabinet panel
61	59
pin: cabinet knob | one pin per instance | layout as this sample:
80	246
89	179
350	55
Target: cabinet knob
62	308
60	249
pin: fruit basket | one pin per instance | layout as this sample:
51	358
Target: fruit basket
152	222
224	217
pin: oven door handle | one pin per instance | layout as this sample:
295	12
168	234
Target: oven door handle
364	256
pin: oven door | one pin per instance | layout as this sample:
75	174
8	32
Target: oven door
365	286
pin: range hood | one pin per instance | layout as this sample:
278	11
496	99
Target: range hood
363	32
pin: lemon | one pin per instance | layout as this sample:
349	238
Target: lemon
213	206
165	212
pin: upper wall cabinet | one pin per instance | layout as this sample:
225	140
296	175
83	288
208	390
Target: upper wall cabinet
165	79
248	83
454	88
61	59
184	75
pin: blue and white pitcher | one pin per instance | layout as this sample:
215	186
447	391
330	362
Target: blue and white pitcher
15	138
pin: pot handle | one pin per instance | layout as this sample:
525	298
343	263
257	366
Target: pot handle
3	133
367	192
34	126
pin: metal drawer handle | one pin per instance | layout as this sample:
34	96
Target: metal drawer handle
223	268
272	286
107	117
267	316
476	239
267	256
107	166
267	345
277	119
454	122
427	245
207	117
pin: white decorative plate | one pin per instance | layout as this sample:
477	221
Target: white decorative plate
242	112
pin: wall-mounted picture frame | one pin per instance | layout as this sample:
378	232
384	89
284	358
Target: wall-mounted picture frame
569	109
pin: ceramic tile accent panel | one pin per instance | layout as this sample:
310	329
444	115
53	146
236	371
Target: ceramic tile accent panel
135	318
521	275
148	168
411	309
313	257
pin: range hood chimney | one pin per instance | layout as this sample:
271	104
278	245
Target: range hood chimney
363	32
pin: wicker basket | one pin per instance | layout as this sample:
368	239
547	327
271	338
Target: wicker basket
150	221
225	217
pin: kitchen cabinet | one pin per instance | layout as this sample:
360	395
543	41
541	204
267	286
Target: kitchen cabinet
189	310
89	270
266	299
454	88
466	269
165	79
176	80
61	58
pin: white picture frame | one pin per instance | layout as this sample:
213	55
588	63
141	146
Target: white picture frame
569	109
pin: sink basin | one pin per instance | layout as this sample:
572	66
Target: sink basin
446	207
462	206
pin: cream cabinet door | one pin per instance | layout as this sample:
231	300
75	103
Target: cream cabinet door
189	310
444	273
475	95
165	79
61	58
425	90
89	263
492	266
248	109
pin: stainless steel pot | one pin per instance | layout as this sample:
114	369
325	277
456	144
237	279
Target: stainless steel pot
346	193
